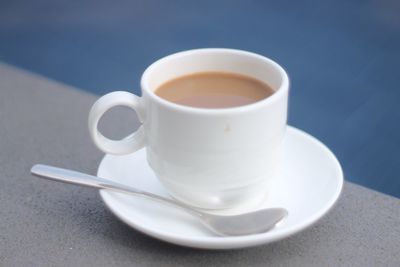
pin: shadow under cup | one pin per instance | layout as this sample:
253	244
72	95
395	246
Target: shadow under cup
215	158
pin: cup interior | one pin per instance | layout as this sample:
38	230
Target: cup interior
219	60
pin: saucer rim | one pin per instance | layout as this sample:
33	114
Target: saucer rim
233	242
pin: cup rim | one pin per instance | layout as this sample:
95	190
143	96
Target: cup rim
280	92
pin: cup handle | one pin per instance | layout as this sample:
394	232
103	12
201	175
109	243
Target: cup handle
130	144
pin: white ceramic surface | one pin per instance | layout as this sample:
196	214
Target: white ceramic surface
308	183
209	158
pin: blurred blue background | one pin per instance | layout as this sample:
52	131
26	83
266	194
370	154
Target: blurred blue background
342	56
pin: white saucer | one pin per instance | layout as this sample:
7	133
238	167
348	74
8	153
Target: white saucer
308	185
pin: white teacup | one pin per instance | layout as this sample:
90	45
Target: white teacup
208	158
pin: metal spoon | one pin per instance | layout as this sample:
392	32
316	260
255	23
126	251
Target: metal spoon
226	225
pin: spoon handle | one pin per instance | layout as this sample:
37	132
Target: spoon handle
74	177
